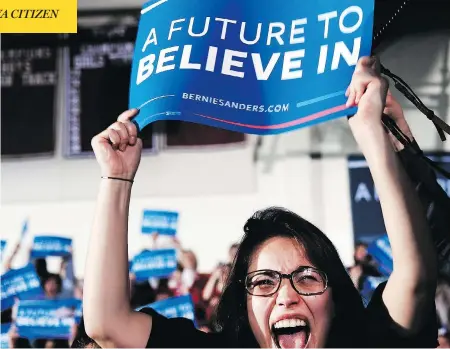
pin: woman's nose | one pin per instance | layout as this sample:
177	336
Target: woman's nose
287	296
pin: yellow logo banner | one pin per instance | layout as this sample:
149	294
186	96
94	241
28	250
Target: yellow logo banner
42	16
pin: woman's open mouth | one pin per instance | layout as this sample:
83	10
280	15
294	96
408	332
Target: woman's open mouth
291	333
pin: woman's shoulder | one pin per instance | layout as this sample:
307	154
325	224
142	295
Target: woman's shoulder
180	333
382	331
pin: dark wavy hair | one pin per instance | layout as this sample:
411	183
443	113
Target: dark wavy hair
232	316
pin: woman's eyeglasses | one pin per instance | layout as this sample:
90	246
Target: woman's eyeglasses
307	281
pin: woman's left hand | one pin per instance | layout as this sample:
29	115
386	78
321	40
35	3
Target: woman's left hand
367	91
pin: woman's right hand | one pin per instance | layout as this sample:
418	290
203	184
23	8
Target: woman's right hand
118	148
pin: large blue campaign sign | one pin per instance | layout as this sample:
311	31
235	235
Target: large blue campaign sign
174	307
45	246
161	222
49	319
19	283
254	66
156	263
4	338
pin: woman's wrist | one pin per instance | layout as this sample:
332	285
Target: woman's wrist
368	135
116	182
119	191
118	178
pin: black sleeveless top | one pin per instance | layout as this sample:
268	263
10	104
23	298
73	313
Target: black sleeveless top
377	330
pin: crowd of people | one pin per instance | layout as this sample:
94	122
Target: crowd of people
61	285
205	290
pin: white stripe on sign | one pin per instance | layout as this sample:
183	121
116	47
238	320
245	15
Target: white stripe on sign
154	99
357	164
152	6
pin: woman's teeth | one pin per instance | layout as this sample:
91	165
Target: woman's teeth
289	323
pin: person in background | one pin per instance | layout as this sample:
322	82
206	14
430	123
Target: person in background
183	279
141	293
163	291
59	285
52	286
216	283
181	282
436	203
67	273
55	286
214	286
40	264
363	267
189	263
360	255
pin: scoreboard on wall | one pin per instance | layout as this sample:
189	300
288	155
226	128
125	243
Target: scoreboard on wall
28	88
93	69
98	69
97	83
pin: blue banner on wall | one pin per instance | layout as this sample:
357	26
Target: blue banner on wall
161	222
19	283
45	246
368	223
45	319
156	263
4	339
174	307
250	66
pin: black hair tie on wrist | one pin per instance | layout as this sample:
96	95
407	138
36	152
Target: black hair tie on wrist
119	179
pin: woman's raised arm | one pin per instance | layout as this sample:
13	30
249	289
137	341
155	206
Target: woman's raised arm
411	287
109	319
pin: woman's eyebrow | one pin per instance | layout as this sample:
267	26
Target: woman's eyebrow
262	270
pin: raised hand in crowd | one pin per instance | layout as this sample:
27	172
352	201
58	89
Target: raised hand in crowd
118	152
415	269
118	148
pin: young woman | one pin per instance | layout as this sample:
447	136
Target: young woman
287	287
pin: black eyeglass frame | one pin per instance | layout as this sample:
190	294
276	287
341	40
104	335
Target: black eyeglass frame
282	276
